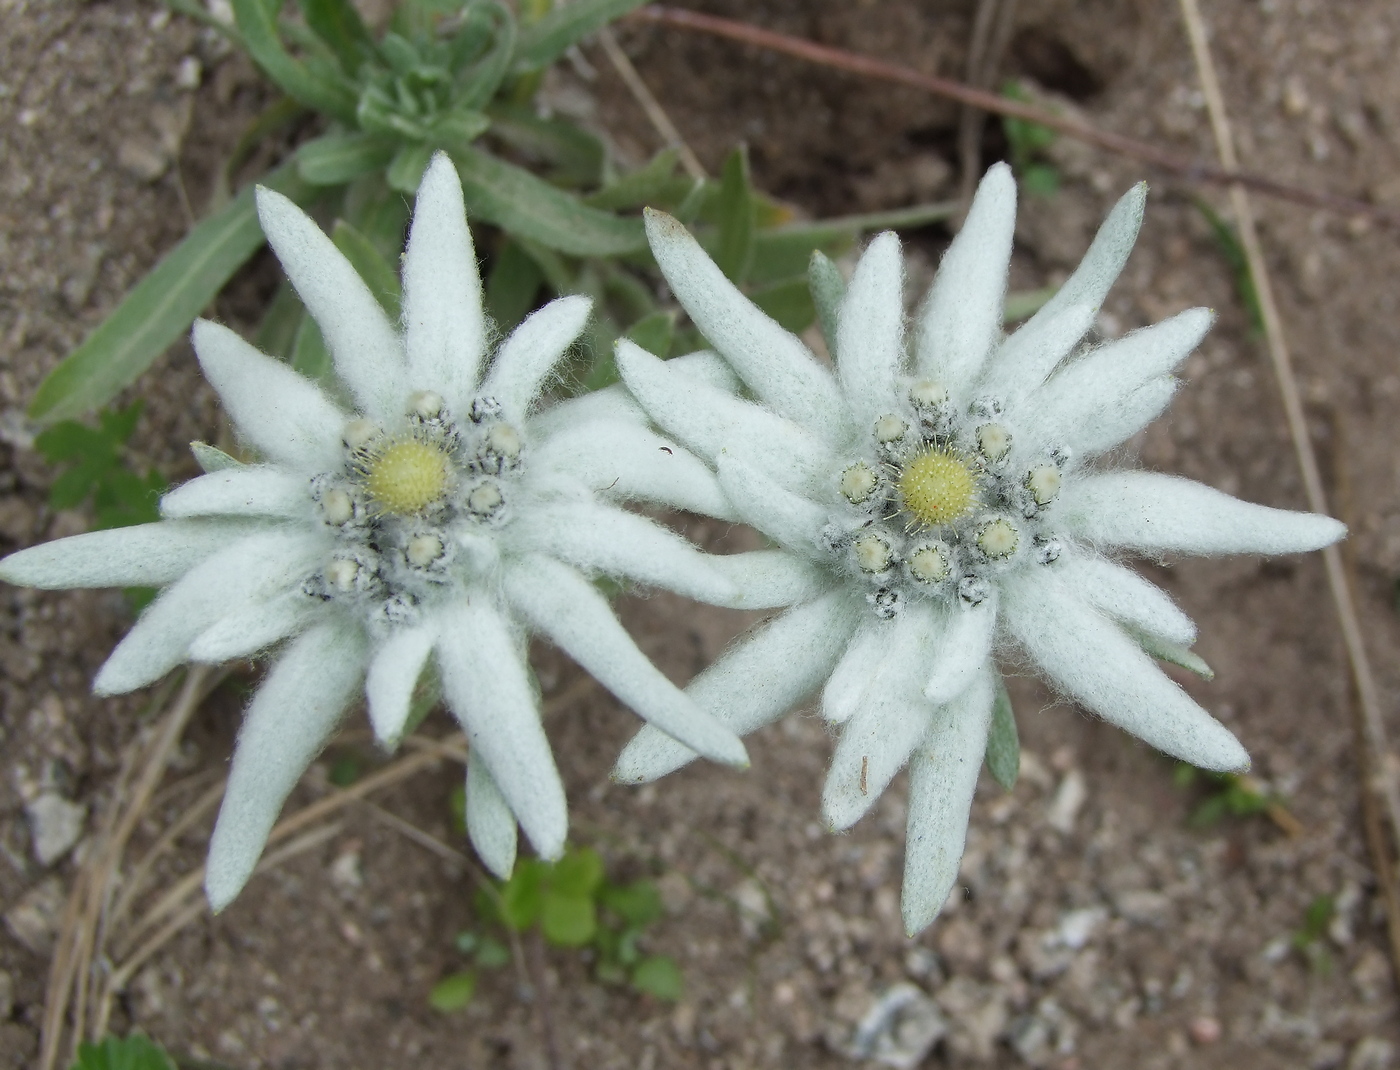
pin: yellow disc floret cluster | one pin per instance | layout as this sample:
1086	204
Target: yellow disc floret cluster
937	488
406	476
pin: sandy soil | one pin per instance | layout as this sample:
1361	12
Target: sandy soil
1096	929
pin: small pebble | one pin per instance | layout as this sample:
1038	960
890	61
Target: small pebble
1204	1030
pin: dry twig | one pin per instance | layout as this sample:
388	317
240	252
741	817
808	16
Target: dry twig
655	113
1192	170
1378	776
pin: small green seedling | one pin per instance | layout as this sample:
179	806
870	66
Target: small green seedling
1230	795
1309	938
98	469
573	904
1228	242
136	1052
1027	142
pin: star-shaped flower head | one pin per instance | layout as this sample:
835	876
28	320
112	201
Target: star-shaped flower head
947	491
440	519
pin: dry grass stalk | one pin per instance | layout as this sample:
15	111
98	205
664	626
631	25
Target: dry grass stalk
1378	779
655	113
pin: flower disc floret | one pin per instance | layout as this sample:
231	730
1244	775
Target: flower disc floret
406	476
936	487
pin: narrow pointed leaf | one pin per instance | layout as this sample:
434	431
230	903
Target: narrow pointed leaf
161	307
379	276
335	159
828	288
1172	653
541	43
529	207
1003	742
736	218
257	21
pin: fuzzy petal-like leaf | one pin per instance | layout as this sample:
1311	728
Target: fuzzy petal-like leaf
485	684
870	331
563	605
1152	513
289	720
758	679
526	358
1094	662
942	779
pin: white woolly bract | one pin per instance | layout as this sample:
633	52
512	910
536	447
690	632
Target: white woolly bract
961	318
560	603
942	779
1151	512
963	651
485	684
394	669
242	574
770	359
369	354
754	682
315	678
531	351
252	490
147	555
444	327
1091	660
490	824
283	416
870	337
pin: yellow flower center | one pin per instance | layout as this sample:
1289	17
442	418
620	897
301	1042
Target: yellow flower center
937	488
406	476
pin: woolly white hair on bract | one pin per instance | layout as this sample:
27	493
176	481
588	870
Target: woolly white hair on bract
943	489
439	523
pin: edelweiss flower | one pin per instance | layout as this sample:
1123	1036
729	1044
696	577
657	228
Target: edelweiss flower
948	498
438	520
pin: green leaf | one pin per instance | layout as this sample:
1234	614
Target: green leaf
136	1052
160	308
577	874
70	441
542	43
338	24
334	159
310	355
734	253
528	207
659	976
782	252
511	285
212	459
379	213
379	276
638	904
1040	180
257	21
575	154
457	812
788	302
277	333
654	333
1172	653
1228	242
1023	304
828	288
491	954
522	897
406	169
1003	742
483	79
567	920
640	187
453	992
